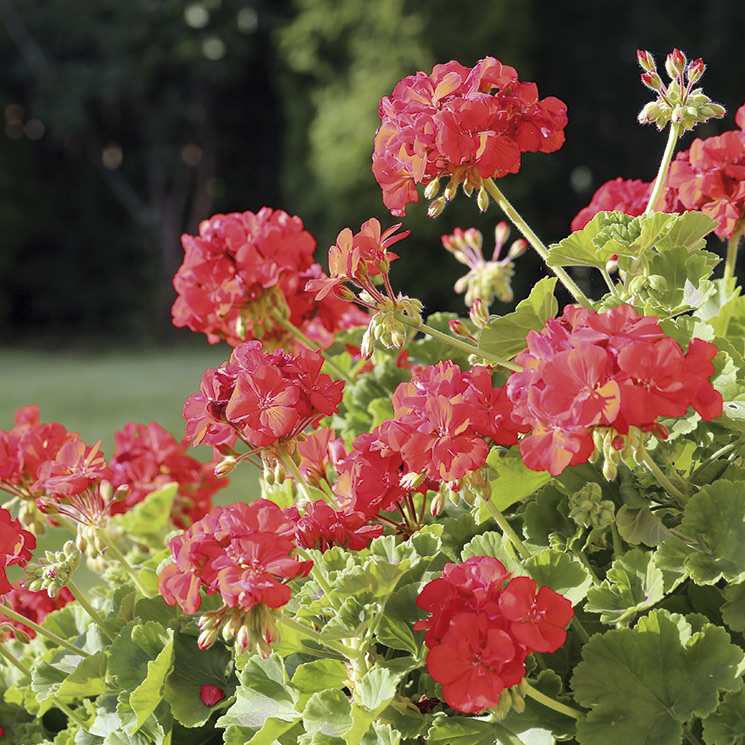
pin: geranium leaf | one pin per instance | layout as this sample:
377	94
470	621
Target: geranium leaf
733	609
380	734
504	336
151	517
643	684
726	726
400	614
377	689
136	646
311	677
561	572
633	584
641	525
496	545
328	712
578	248
688	229
715	518
513	480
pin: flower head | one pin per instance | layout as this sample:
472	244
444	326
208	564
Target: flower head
16	545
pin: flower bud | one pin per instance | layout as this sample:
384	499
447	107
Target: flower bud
517	249
652	80
501	233
432	188
459	328
436	207
646	60
695	70
225	466
675	63
479	313
482	200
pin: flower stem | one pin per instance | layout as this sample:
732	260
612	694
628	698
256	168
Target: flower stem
457	342
63	707
119	556
534	241
6	610
291	466
667	157
664	481
315	636
732	246
301	337
506	528
90	610
542	698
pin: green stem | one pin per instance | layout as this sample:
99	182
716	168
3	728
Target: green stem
576	624
63	707
667	156
291	466
716	456
58	640
534	241
301	337
506	528
542	698
90	610
731	260
664	480
315	636
608	281
457	342
119	556
617	546
690	737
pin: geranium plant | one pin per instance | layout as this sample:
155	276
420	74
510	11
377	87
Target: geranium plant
519	529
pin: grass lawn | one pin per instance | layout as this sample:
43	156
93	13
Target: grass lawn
96	394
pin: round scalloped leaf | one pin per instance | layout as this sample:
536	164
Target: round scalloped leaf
726	726
642	684
715	517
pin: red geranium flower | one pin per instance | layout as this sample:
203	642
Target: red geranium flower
16	545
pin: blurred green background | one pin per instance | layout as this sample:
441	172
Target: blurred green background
126	122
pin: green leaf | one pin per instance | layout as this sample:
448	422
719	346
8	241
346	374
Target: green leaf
726	726
561	572
380	734
513	480
547	520
715	518
496	545
146	698
311	677
328	712
263	694
505	336
688	229
633	584
642	684
400	613
430	351
193	668
461	731
151	517
135	647
641	525
671	558
578	248
376	689
733	610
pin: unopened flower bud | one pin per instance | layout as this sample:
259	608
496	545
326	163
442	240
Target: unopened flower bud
479	313
459	328
675	63
518	248
695	70
436	207
451	189
207	638
432	189
279	473
650	113
225	466
412	481
482	200
645	60
501	233
652	80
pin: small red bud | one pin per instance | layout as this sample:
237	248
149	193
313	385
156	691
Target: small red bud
646	60
211	695
696	70
652	80
675	63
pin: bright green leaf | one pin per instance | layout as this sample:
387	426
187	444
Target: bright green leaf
504	336
512	480
328	712
561	572
496	545
377	689
311	677
642	684
633	584
641	525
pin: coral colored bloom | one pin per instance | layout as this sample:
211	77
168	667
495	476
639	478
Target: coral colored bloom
35	606
460	123
16	545
75	468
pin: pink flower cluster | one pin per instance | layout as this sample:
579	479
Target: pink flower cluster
16	545
444	420
243	552
241	267
462	123
616	369
265	398
35	606
483	625
146	458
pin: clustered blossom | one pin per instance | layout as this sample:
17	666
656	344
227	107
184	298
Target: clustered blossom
35	606
266	399
244	553
588	373
146	458
243	269
463	124
444	420
709	177
629	196
483	625
16	545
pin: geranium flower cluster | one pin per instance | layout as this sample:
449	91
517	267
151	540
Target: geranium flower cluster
483	625
245	269
463	124
35	606
147	457
629	196
264	398
444	420
588	373
16	545
244	553
710	177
